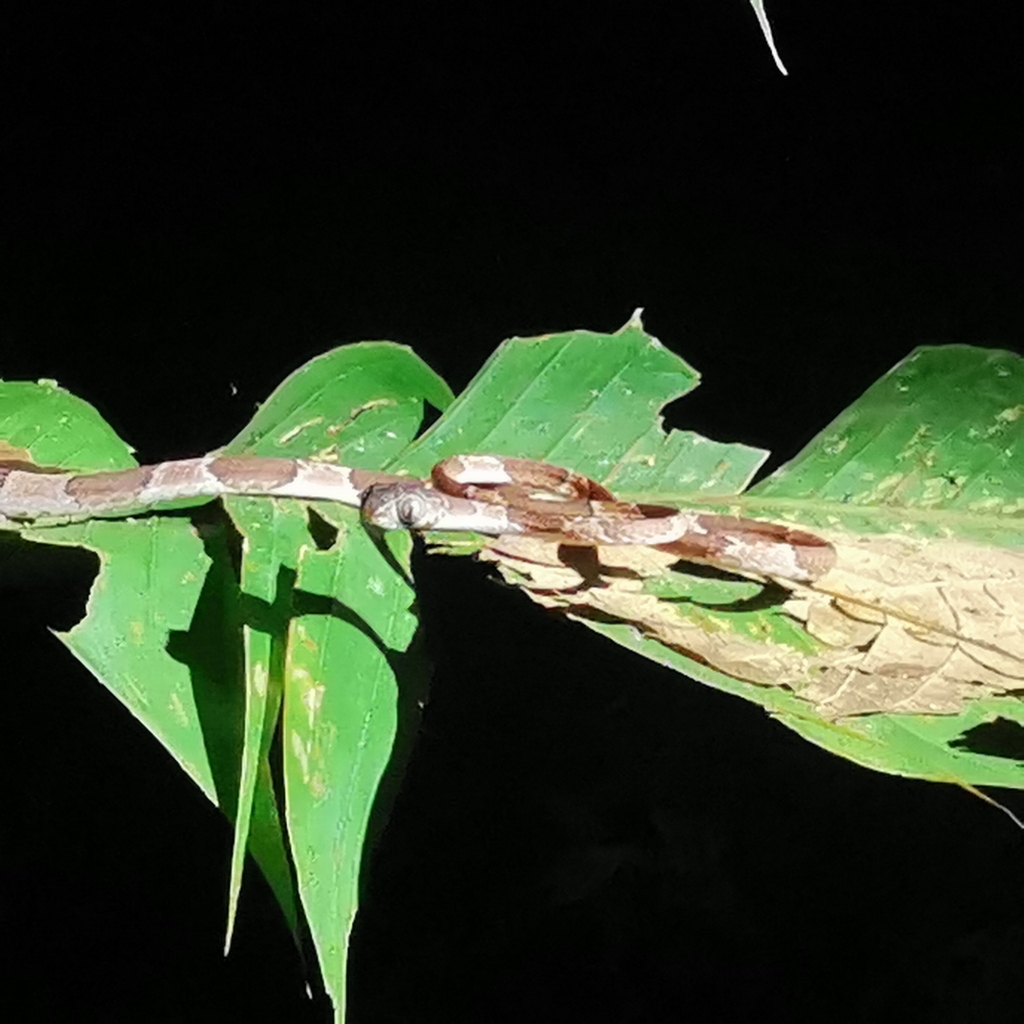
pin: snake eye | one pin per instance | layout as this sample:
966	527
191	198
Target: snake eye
397	507
410	510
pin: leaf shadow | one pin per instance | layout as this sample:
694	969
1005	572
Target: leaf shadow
1000	738
212	649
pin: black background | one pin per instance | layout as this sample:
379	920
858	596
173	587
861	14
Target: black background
197	198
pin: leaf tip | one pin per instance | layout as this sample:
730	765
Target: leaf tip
766	31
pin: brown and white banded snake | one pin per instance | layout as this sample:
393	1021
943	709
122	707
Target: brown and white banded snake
486	494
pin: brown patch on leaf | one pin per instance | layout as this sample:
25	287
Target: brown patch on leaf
9	454
20	460
533	563
613	590
905	625
927	624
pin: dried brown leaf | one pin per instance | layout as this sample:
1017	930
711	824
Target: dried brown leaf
932	623
607	582
905	624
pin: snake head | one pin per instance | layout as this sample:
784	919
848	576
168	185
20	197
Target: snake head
402	506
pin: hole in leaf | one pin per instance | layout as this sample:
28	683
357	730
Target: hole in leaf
431	414
44	583
324	535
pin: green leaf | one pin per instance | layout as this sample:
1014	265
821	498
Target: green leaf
319	618
202	661
342	682
124	636
589	401
931	450
162	632
54	428
265	588
358	405
933	447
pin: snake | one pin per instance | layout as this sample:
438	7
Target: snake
491	495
